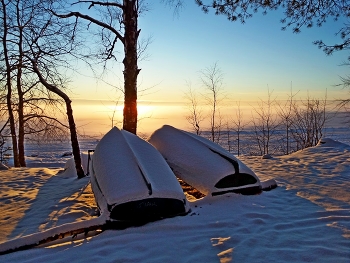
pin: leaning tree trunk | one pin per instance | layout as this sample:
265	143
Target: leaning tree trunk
74	138
72	128
131	69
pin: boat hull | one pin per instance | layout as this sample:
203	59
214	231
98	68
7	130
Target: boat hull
203	164
132	182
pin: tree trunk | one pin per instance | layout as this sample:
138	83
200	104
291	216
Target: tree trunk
287	131
72	128
74	139
131	70
21	155
9	89
238	141
16	162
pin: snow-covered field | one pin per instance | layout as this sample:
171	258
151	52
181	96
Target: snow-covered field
305	219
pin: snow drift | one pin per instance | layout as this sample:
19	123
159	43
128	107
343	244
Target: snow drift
306	219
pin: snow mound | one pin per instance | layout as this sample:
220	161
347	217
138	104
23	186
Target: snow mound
69	167
328	142
326	146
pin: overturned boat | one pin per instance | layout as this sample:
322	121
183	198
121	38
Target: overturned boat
131	180
204	164
132	185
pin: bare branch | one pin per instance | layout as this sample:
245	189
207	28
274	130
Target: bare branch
92	3
212	80
92	20
32	116
195	117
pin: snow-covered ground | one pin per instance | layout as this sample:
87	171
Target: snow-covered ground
305	219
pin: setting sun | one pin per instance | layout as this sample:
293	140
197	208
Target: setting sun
144	110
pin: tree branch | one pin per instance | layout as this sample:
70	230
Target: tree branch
92	3
32	116
92	20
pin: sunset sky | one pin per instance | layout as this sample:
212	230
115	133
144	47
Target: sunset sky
253	57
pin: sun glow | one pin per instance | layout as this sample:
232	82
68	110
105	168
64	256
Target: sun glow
143	111
97	117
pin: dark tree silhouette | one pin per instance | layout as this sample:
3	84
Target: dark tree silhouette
35	46
212	80
298	14
118	22
121	26
71	122
195	117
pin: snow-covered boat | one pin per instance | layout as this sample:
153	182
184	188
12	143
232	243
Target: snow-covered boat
131	180
132	184
204	164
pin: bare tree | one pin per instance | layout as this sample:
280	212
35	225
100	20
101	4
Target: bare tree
195	116
228	135
3	134
212	80
118	22
34	42
115	122
8	65
309	122
71	122
344	103
238	126
264	123
44	44
297	15
286	113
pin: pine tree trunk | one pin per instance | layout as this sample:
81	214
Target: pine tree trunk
131	70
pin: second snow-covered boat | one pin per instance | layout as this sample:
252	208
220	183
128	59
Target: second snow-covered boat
204	164
131	180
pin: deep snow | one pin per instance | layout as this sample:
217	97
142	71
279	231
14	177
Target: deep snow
305	219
